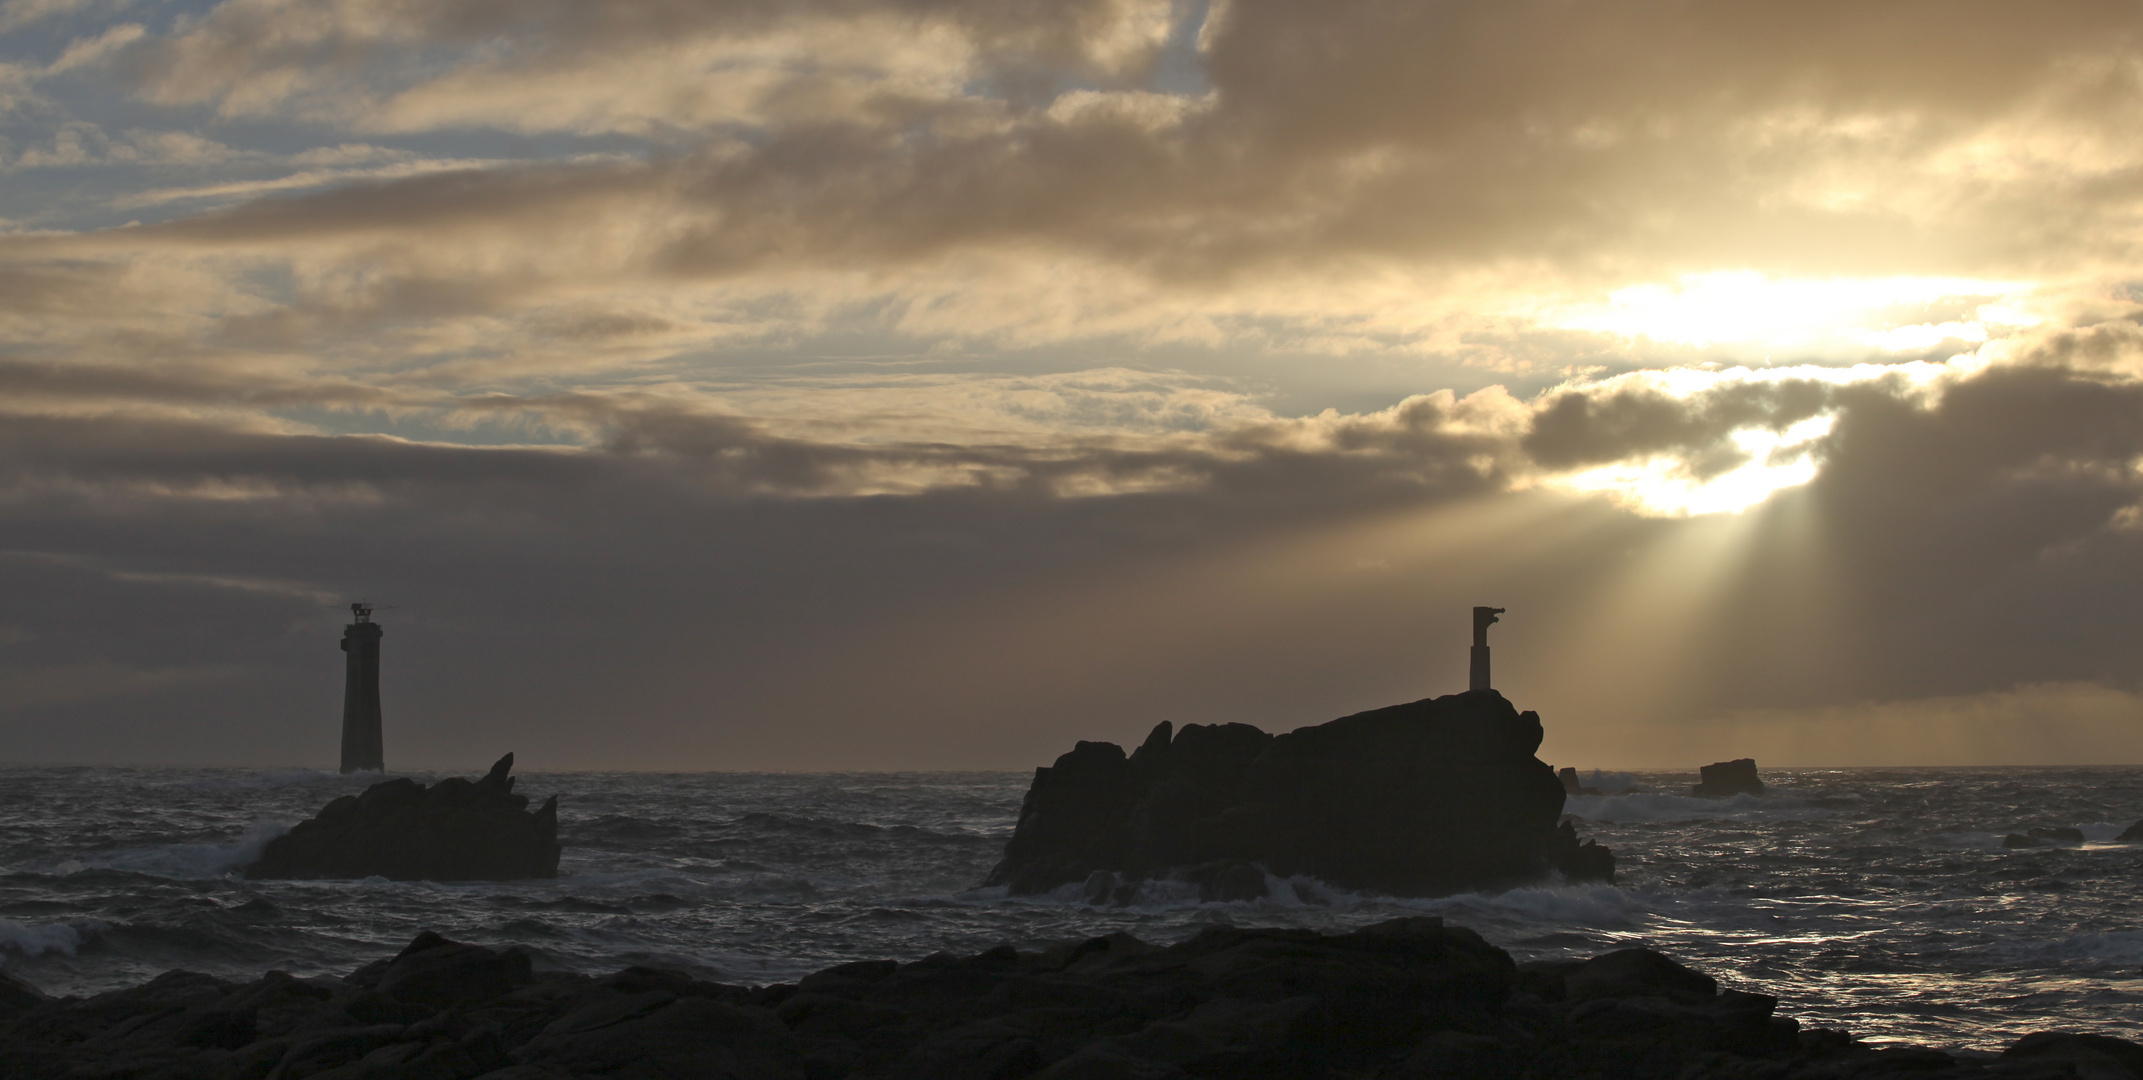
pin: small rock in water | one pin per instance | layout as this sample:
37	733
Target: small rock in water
2132	833
1728	778
454	830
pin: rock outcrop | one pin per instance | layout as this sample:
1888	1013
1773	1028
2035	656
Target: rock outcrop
1728	778
2041	836
1422	799
1573	785
1410	999
454	830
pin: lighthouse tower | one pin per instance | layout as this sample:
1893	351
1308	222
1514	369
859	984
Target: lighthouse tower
1483	617
361	748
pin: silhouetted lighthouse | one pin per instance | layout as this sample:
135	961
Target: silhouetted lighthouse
1482	618
360	694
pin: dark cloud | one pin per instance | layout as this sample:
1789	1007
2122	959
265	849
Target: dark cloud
696	593
1576	428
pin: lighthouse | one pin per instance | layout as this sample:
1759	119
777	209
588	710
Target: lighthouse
361	748
1483	617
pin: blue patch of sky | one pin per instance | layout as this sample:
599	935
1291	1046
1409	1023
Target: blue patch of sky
1177	68
1180	69
1288	381
95	107
429	425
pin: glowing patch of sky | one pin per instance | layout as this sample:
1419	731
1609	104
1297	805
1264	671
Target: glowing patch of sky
1665	487
1816	316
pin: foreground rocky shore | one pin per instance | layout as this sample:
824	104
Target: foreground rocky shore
1405	999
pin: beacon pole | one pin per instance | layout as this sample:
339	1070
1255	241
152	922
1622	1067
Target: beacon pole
1483	617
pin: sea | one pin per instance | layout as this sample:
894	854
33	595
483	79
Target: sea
1880	901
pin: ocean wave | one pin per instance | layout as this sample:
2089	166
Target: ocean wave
1607	783
281	778
189	860
2117	948
1649	807
24	939
1591	904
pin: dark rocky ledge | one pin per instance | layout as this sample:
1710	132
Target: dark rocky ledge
454	830
1421	799
1405	1000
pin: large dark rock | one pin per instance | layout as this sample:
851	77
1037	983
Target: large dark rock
1421	799
1410	999
454	830
1727	778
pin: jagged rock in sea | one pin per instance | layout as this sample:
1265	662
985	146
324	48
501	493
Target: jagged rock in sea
2131	834
1727	778
1572	785
1423	799
454	830
1410	999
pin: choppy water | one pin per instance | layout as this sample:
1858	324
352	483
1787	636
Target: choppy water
1879	900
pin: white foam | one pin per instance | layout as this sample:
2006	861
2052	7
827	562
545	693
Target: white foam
63	938
1608	783
192	860
1649	807
1591	904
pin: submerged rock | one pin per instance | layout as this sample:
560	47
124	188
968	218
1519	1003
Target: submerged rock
1421	799
454	830
1728	778
1409	999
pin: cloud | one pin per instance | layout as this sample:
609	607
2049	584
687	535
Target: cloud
1482	184
744	368
253	56
20	13
83	52
684	566
1462	135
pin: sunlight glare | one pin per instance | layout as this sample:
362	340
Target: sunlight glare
1665	486
1893	315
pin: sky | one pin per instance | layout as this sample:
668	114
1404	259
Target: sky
929	384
